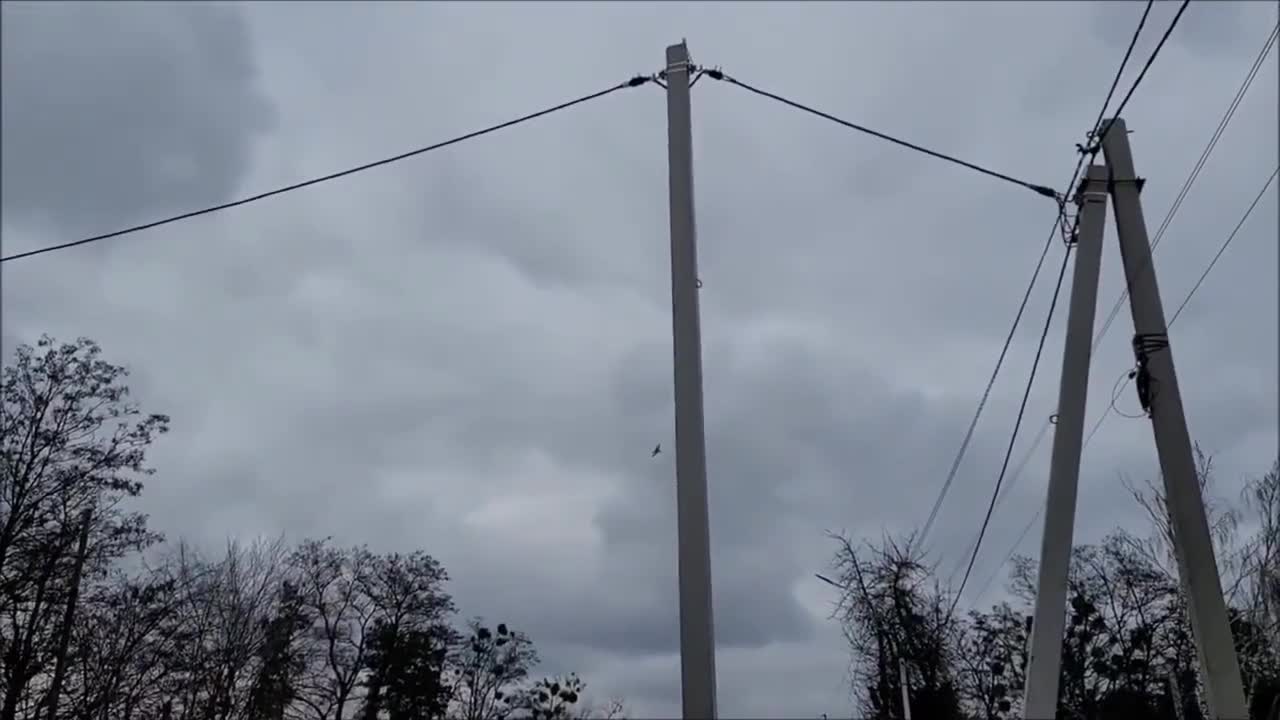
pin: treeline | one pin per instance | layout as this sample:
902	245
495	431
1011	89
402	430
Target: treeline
1128	652
100	619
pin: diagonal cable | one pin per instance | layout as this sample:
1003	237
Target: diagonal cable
634	82
1218	255
1183	304
1039	189
1151	58
1195	173
1096	144
986	393
1013	479
1013	437
1093	132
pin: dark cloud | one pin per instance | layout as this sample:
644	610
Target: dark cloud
470	352
113	113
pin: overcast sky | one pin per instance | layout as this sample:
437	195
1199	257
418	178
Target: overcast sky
469	352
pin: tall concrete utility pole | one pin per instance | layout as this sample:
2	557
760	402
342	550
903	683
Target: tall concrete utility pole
697	631
1045	653
1157	386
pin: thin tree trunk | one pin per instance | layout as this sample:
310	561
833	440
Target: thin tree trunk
68	616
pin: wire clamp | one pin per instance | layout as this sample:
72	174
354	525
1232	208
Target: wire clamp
1144	344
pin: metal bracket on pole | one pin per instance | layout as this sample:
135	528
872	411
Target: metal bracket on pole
1045	642
697	634
1192	543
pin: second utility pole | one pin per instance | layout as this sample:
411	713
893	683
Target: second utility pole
697	633
1045	653
1158	392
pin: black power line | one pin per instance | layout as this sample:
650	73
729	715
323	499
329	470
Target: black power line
1004	494
1095	145
1195	173
1152	58
1109	410
996	573
1128	53
1013	437
1053	230
1040	189
1209	268
633	82
986	393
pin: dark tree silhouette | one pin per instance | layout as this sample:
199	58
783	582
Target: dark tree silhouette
489	667
71	446
92	630
1128	650
894	617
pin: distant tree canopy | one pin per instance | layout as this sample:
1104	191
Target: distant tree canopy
1128	652
261	631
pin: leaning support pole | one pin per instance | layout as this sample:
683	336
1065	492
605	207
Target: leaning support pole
1045	653
697	634
1157	385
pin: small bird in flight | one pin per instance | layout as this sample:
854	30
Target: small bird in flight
656	449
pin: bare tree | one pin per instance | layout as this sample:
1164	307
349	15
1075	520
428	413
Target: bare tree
89	630
411	637
1224	522
124	647
895	618
489	667
331	585
70	441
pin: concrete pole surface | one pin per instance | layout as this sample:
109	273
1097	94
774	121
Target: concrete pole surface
697	633
1157	384
1045	653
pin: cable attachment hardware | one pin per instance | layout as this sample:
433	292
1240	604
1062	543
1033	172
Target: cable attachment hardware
1091	149
696	70
1112	182
1092	143
1068	226
1144	345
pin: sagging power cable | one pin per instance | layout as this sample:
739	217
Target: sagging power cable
1031	522
1048	192
1096	136
1187	298
1013	437
1085	153
1195	173
633	82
